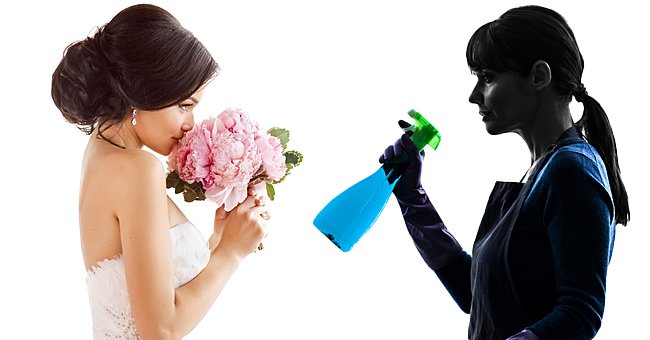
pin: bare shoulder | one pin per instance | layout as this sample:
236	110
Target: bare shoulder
115	183
140	173
133	166
120	176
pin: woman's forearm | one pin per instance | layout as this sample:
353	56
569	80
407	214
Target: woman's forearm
213	242
193	300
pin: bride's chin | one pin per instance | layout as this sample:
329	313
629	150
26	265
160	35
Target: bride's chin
163	150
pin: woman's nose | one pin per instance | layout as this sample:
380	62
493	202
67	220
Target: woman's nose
188	123
476	97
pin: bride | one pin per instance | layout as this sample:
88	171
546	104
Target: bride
135	83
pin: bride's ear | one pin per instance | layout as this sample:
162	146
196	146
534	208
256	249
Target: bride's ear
540	75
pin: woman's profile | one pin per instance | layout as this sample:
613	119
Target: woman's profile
539	262
134	84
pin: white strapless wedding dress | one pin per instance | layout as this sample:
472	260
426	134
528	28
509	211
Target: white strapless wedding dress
109	299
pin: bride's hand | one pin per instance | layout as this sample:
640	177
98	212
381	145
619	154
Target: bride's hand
243	228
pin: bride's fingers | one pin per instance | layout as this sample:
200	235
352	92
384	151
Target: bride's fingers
261	201
259	208
248	203
220	214
258	214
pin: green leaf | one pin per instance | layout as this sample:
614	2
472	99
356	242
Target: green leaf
189	196
200	193
197	190
172	180
191	191
270	191
280	133
293	157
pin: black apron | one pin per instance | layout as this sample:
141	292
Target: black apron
496	312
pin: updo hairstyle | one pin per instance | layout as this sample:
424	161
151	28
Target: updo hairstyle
142	59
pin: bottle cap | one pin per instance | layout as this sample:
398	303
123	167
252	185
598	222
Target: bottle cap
423	132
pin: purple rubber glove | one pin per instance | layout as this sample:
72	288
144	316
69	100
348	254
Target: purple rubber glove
432	239
524	335
406	163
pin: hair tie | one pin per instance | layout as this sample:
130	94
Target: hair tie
581	93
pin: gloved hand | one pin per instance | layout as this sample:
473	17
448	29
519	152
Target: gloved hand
432	239
405	161
524	335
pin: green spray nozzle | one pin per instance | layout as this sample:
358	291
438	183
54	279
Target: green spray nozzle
423	132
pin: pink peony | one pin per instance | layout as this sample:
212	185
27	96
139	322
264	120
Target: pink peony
235	161
226	155
188	156
236	121
191	157
272	158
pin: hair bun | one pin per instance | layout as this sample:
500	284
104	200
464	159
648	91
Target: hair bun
84	88
142	58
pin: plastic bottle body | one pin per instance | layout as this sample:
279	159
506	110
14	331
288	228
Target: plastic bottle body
351	214
346	218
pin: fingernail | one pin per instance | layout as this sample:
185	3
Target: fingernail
260	201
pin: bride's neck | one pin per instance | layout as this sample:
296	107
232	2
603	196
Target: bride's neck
122	135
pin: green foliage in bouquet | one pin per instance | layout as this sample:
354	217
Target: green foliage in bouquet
191	192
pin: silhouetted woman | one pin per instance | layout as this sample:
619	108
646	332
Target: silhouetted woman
539	262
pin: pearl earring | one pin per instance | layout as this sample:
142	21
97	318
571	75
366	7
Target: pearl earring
133	121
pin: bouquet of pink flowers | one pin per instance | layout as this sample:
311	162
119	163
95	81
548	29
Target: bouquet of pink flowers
221	157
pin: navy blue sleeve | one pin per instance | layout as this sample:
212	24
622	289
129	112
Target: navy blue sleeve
578	217
456	278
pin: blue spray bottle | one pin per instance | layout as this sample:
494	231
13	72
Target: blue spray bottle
347	217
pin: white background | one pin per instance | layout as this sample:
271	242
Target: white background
338	74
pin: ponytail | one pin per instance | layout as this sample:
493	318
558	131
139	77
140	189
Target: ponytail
596	128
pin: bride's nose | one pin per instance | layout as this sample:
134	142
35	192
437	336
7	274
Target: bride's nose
188	122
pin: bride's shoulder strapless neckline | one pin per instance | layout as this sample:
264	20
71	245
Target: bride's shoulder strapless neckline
106	281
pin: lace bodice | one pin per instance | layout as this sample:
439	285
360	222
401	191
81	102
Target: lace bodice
109	300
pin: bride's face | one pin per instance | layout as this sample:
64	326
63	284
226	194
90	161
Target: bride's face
159	130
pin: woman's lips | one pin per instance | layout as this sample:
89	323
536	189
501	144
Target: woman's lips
485	114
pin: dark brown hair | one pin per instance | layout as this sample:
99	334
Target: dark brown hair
143	58
519	38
